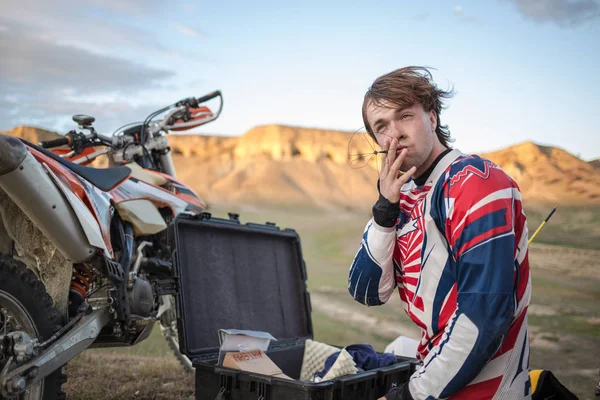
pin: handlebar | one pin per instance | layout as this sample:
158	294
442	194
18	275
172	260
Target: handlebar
210	96
78	141
196	116
195	102
106	140
191	120
55	142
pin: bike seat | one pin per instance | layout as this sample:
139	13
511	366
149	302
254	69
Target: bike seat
103	178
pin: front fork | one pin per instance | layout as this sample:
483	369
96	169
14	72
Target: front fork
167	164
81	335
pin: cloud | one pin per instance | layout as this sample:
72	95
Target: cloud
459	13
65	57
187	31
32	61
129	7
103	58
43	82
564	13
92	23
52	112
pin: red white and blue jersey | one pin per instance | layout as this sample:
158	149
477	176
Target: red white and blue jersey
458	256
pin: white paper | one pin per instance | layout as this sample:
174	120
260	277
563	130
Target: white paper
242	340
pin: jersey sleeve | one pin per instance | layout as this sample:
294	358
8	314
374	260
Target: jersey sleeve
371	278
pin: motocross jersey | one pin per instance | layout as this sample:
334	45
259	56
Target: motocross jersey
458	256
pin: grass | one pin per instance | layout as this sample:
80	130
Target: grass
570	329
328	331
105	376
570	226
565	324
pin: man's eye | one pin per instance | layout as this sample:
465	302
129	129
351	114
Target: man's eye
405	116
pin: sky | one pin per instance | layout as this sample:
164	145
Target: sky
520	69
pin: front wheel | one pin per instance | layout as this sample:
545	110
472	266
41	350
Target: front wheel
25	306
168	326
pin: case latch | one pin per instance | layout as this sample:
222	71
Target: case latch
234	217
226	383
221	394
264	391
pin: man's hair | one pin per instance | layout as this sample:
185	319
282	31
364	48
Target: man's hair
403	88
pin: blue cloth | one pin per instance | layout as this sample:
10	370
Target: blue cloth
365	357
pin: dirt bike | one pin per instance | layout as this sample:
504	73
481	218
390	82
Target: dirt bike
85	259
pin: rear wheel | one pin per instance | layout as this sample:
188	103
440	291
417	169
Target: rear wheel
25	306
168	325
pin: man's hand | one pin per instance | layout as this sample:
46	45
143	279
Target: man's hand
391	178
398	393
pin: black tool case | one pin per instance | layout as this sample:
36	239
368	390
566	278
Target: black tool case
252	277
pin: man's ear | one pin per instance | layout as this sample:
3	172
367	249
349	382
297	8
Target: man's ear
433	119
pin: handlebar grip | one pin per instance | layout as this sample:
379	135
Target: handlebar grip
209	96
55	142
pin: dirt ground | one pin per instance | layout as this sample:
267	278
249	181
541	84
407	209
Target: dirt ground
565	315
564	323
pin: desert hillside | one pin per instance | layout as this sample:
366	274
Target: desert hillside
304	167
32	134
549	174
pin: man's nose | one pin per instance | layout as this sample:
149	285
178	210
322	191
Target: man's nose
387	140
395	131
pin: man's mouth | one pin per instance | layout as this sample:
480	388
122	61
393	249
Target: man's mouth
398	150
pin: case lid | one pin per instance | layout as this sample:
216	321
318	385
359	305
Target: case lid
234	276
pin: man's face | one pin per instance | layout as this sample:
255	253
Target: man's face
413	127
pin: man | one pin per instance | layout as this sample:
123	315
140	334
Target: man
450	233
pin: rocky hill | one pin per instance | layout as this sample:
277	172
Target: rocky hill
32	134
549	174
304	167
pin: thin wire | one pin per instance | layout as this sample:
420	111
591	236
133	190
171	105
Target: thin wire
350	141
356	157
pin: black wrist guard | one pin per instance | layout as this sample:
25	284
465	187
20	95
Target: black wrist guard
399	393
386	213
